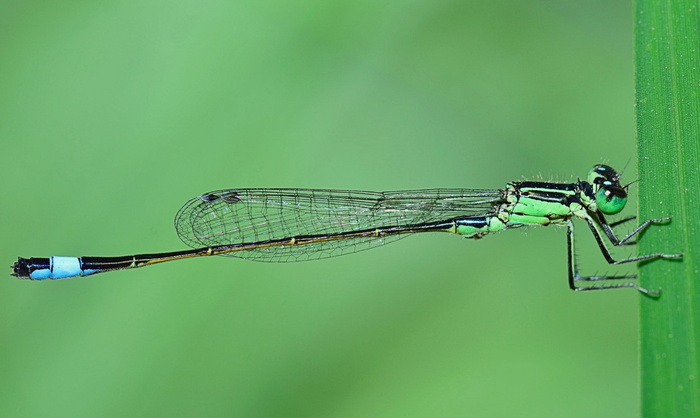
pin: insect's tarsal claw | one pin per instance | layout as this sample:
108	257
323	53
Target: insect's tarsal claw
655	294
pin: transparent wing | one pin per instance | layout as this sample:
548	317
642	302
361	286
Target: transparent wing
236	216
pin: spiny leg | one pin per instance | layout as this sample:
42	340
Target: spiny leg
615	241
574	275
626	240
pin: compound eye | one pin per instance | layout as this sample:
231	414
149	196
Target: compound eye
611	199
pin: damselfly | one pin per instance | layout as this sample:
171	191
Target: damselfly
281	225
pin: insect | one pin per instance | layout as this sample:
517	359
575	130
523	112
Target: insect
281	225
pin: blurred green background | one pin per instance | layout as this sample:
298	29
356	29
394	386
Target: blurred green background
114	114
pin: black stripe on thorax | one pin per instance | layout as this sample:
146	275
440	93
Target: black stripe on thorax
561	193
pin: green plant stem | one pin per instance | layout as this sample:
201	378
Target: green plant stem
667	59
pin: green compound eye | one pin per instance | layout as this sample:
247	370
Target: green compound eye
611	199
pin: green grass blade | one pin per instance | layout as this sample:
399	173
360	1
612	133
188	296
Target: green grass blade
667	46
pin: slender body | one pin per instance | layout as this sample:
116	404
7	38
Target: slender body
281	225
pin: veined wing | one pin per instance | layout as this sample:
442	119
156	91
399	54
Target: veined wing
236	216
